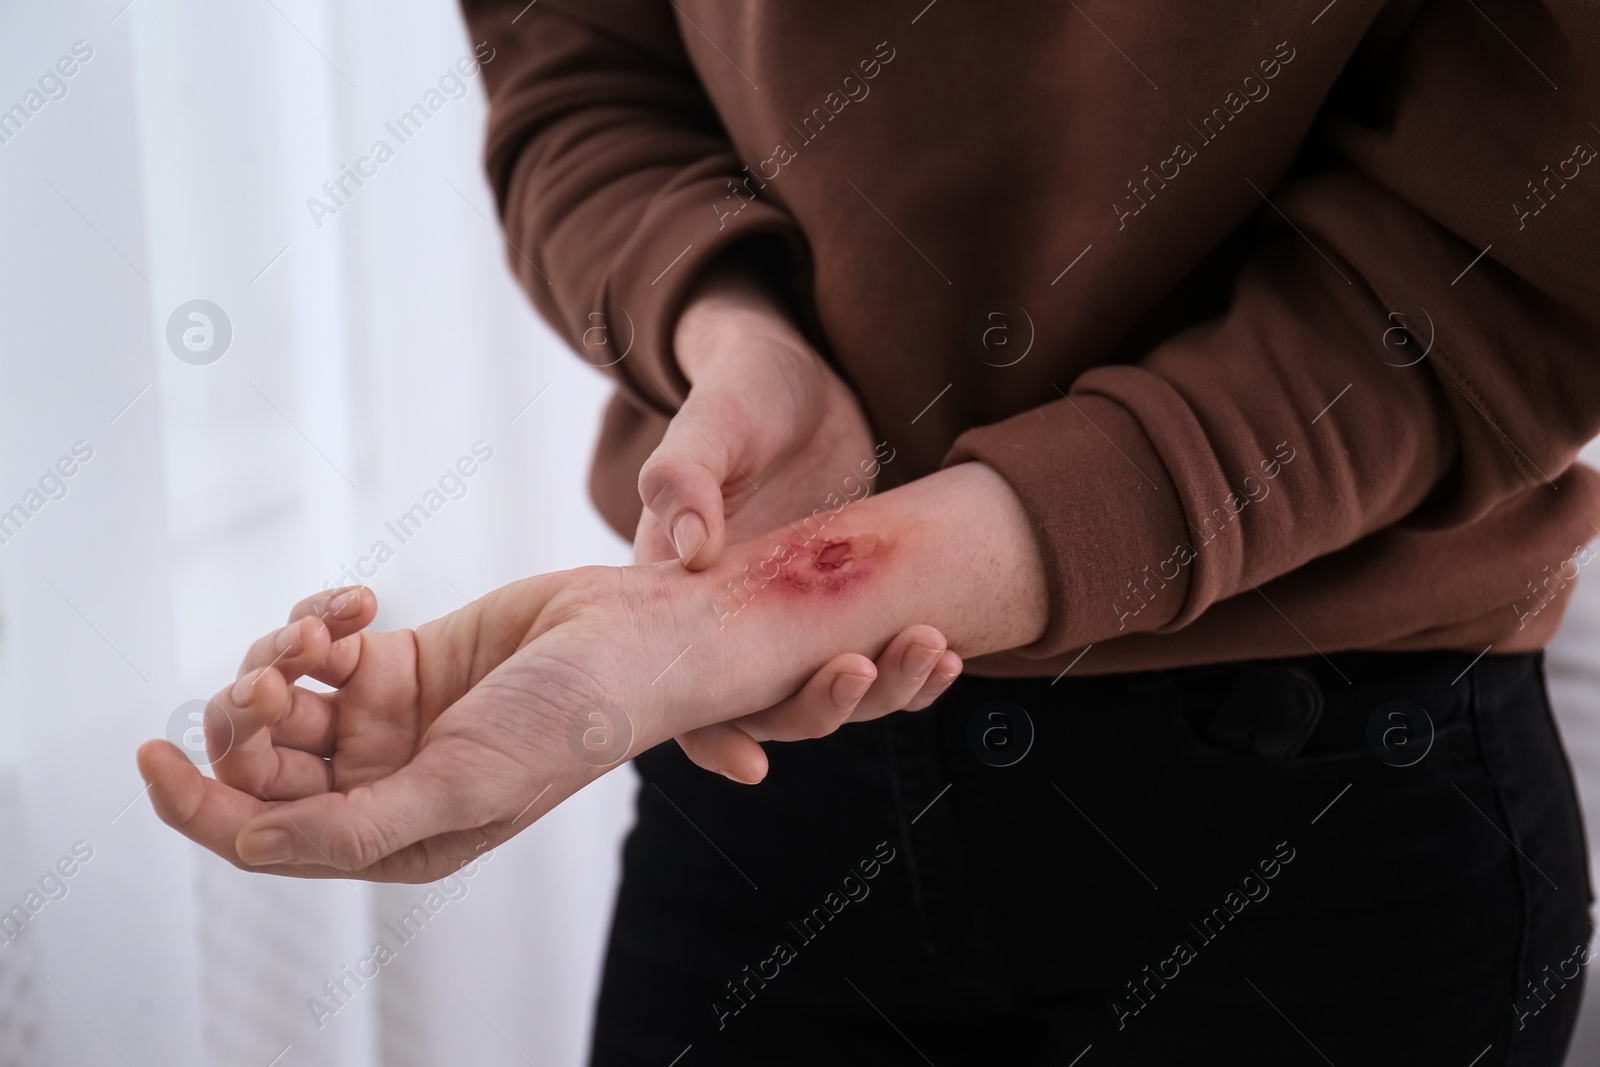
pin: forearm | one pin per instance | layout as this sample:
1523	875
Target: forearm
952	550
674	650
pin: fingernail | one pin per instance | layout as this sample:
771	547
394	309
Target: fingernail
736	781
345	602
688	535
848	689
260	847
288	639
918	661
244	690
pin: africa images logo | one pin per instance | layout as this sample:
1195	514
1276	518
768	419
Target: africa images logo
199	332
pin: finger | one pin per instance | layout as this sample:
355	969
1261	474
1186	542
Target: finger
943	675
355	830
211	814
241	749
292	650
340	612
345	612
681	484
723	748
344	655
825	702
236	716
650	543
903	667
821	706
309	724
317	638
204	810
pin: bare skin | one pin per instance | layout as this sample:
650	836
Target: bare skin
768	434
441	742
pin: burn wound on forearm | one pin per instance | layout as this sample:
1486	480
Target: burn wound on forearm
812	567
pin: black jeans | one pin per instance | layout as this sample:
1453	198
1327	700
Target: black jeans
1373	858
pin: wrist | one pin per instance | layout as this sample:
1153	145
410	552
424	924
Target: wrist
726	312
953	550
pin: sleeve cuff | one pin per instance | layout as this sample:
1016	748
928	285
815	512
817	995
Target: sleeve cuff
1108	519
681	234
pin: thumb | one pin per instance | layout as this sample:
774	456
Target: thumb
353	831
650	542
681	484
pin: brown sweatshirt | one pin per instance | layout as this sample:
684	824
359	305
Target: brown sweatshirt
1282	319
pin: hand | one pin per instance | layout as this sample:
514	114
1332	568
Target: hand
434	744
439	743
769	434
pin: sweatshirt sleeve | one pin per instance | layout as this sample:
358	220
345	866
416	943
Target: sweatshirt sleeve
1418	343
606	158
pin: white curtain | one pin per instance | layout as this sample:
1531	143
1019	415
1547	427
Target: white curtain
372	347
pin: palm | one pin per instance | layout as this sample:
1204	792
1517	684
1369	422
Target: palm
477	697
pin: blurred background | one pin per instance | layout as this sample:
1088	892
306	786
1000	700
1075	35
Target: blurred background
371	348
251	378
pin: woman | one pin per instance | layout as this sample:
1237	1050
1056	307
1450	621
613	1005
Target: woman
1220	423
